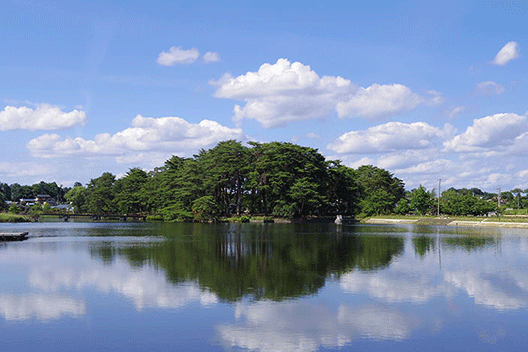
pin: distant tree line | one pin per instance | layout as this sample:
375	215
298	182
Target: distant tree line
269	179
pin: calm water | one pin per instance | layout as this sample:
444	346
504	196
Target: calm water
262	287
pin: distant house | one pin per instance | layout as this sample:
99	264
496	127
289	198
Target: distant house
44	198
27	201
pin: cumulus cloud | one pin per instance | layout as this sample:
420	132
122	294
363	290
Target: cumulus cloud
43	117
211	57
390	137
43	307
18	169
297	326
488	132
145	286
489	88
509	52
165	135
379	101
286	92
177	55
453	113
493	289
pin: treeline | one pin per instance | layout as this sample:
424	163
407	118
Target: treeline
14	192
268	179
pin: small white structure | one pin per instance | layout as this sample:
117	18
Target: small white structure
339	220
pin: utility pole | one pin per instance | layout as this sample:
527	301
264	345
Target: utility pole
439	193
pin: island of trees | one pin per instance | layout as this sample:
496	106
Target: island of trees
267	179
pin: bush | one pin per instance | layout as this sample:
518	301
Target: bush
14	209
13	218
175	212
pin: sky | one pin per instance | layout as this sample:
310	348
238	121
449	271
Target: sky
427	91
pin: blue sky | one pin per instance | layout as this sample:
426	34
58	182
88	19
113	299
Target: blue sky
426	91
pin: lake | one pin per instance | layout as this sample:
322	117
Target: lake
262	287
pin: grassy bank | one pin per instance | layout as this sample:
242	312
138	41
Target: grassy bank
481	221
6	217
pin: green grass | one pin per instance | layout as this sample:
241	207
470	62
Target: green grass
6	217
502	218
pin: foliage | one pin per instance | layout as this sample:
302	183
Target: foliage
129	192
8	217
276	178
454	203
46	208
421	200
3	204
77	197
204	209
100	195
257	263
403	207
175	212
14	209
379	190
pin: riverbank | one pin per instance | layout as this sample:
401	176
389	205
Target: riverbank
6	217
502	222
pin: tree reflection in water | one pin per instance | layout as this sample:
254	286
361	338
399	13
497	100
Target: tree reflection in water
257	261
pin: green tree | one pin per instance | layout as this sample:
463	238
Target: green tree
276	168
14	209
379	190
421	200
100	195
518	192
342	188
77	197
130	195
403	207
3	204
204	208
226	169
21	192
6	190
46	208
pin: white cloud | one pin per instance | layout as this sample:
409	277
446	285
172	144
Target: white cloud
451	114
390	137
399	160
287	92
211	57
18	169
43	117
148	136
510	51
43	307
145	286
379	101
177	55
493	289
489	132
489	88
298	326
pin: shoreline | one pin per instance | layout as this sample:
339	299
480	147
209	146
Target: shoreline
448	222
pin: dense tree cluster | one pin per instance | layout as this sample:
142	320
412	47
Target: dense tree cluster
269	179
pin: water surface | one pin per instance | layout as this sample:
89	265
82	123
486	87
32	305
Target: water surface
262	287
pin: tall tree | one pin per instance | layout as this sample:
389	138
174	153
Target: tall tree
380	191
130	196
77	197
100	194
226	169
421	200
